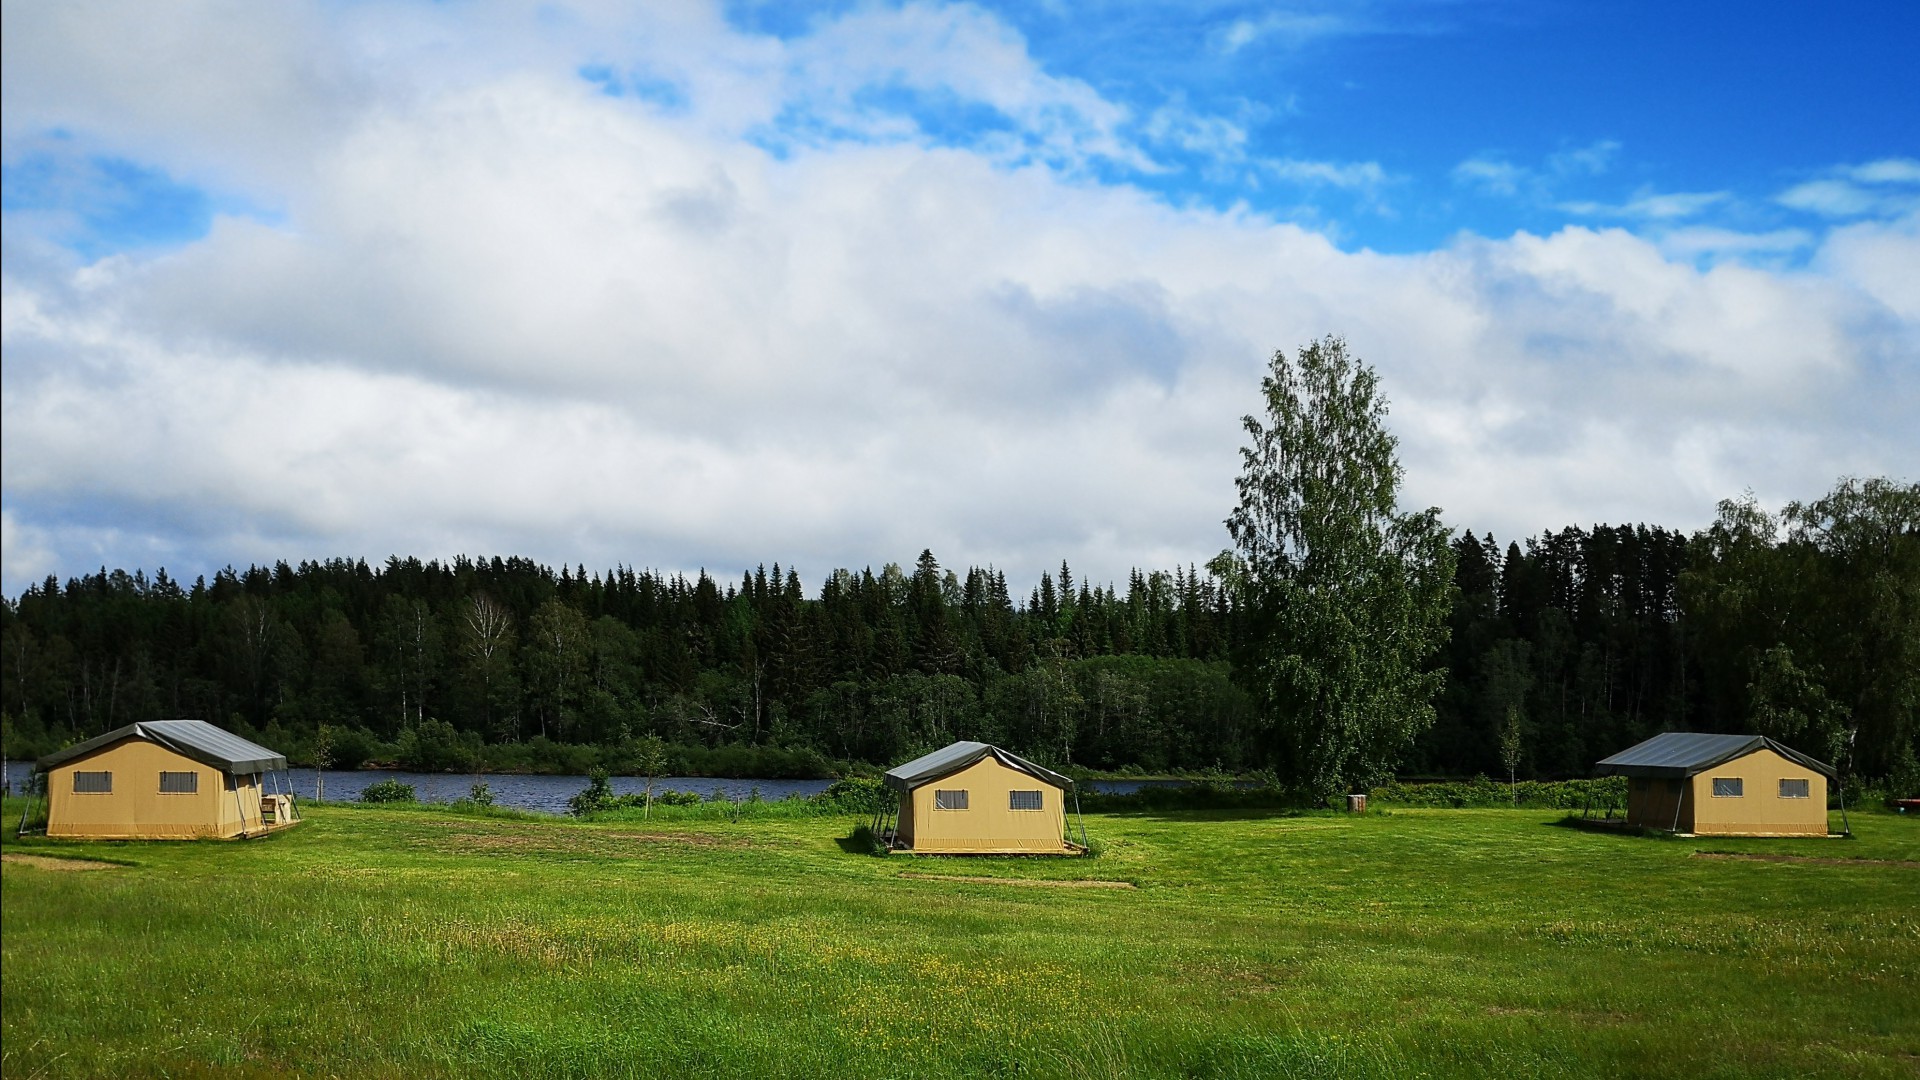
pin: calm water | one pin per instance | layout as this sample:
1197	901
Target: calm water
549	794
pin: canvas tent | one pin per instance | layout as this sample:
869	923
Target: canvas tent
165	779
1722	785
971	798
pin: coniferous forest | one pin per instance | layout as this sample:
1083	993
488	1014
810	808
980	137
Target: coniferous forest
1564	647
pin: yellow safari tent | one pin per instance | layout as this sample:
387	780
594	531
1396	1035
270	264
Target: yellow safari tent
971	798
165	780
1722	785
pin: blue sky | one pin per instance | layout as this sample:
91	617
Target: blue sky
832	284
1590	107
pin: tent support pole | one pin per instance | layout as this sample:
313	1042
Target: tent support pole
1680	800
26	812
1084	845
240	806
1846	827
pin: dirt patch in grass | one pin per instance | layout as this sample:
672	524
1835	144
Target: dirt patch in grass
696	839
48	862
1818	860
1057	883
571	842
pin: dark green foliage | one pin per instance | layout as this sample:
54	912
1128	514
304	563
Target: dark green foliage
1347	596
1802	625
864	841
594	798
857	794
434	746
387	791
1599	793
1208	795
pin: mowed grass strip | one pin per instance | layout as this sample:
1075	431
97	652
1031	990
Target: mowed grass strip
388	942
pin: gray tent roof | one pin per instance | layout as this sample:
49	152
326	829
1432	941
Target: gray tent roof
1679	754
952	759
196	739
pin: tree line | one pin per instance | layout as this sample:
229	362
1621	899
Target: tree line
1562	648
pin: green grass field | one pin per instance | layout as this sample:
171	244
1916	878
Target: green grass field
419	942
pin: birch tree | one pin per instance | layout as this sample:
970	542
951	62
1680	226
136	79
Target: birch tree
1347	596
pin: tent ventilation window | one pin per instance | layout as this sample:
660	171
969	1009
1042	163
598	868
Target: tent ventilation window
179	783
1728	787
949	800
93	783
1023	800
1796	789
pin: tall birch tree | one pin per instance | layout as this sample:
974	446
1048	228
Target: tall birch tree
1347	597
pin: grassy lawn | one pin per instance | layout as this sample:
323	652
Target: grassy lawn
378	942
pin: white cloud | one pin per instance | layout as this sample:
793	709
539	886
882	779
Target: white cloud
1887	171
508	313
1490	175
1363	175
1590	160
26	556
1830	198
1653	205
1707	241
1884	188
1288	28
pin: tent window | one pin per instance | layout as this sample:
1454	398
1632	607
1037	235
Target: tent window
1023	800
949	800
1728	787
179	783
93	783
1796	789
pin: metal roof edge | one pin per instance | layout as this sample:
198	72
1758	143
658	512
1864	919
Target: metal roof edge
902	782
82	749
1734	750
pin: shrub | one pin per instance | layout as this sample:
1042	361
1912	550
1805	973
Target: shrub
595	797
434	746
353	747
1483	792
387	791
854	794
863	840
1212	795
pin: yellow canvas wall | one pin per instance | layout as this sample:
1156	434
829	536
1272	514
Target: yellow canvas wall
136	809
1759	811
987	825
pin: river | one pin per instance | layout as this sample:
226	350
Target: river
549	794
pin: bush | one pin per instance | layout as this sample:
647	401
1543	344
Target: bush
595	797
1483	792
387	791
1213	795
353	747
863	840
855	794
434	746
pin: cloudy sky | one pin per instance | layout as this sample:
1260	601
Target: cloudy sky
719	285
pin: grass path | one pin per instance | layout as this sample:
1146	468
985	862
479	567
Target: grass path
375	942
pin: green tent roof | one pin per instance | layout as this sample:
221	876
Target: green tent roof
1680	754
951	759
195	739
